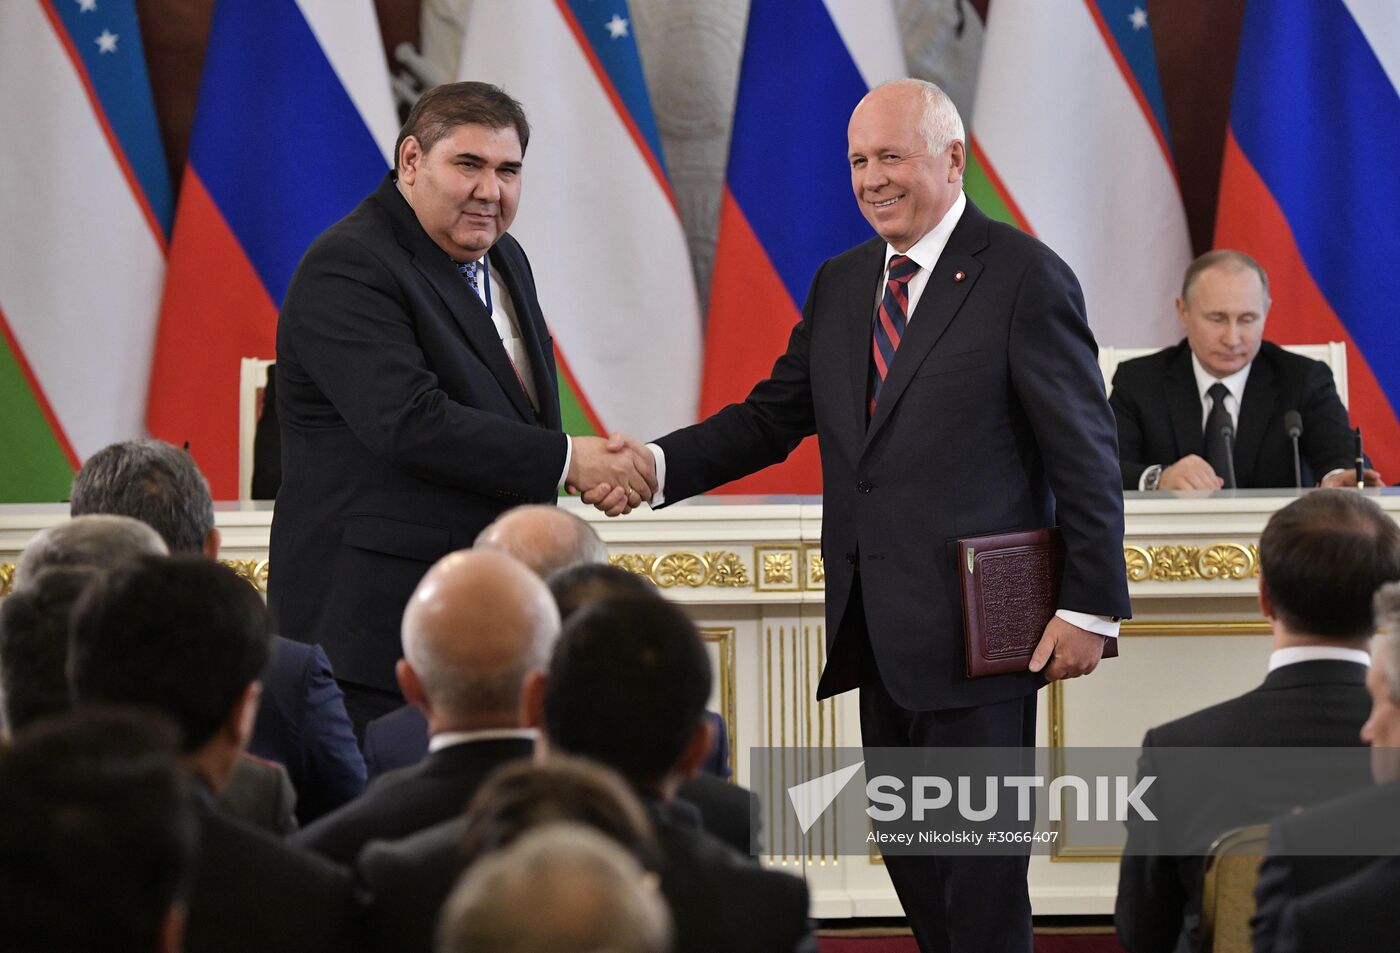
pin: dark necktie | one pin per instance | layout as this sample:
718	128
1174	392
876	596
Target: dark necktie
1217	453
890	320
470	270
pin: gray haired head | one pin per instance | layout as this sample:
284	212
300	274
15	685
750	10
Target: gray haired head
88	542
152	481
1387	645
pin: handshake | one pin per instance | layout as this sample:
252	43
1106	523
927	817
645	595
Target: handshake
615	474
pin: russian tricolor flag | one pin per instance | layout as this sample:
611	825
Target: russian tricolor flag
1311	188
85	204
787	203
295	125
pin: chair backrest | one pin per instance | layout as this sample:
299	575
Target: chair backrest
1333	354
1227	894
252	378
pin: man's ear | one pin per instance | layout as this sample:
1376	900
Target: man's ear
957	161
696	750
411	685
1266	604
409	157
1181	312
532	692
212	541
243	714
171	937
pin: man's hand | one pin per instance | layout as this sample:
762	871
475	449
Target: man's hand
1070	650
1343	479
1190	473
615	475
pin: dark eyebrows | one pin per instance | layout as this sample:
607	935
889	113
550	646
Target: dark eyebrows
513	165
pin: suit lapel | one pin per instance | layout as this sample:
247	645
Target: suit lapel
1184	407
1256	407
860	305
531	325
465	308
942	298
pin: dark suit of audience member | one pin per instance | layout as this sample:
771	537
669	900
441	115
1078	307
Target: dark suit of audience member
626	687
260	793
1365	823
410	799
400	739
1161	417
1322	558
303	726
252	892
1358	913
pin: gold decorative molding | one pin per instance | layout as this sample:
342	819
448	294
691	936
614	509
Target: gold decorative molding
816	568
724	640
7	578
724	570
253	570
1184	563
777	568
1132	627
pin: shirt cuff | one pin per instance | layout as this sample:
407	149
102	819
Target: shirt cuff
1142	480
568	459
659	455
1098	624
1337	470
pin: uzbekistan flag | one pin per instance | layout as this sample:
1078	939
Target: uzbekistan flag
85	204
597	216
295	125
787	203
1070	143
1311	188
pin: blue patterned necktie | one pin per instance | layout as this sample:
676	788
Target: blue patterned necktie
469	270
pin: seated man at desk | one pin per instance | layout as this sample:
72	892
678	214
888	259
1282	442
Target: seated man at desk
1172	406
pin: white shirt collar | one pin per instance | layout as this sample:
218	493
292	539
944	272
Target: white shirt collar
1315	653
448	739
927	250
1204	379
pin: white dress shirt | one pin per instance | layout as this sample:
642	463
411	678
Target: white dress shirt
1315	653
448	739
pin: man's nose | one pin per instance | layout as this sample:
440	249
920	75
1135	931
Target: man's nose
487	188
1232	333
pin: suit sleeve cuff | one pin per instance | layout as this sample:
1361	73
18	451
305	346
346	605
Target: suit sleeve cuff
1098	624
568	459
659	455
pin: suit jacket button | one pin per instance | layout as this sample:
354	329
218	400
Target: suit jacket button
864	487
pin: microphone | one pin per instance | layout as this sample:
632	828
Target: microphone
1227	433
1293	426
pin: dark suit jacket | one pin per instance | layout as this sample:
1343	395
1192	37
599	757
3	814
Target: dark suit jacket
1358	913
1319	704
1366	823
303	726
1160	416
718	899
730	812
993	400
252	892
260	793
404	427
408	800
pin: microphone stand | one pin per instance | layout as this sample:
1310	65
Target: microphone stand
1227	431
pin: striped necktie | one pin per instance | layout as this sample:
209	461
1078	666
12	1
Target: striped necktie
890	321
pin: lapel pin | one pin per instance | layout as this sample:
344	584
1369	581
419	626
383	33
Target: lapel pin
959	275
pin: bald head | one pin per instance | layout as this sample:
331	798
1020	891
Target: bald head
477	624
545	538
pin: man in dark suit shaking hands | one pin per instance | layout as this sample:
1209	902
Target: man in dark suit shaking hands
949	373
416	389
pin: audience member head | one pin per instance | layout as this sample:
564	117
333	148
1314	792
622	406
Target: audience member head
1382	729
544	537
1224	301
34	645
562	888
185	637
97	840
524	795
627	686
1322	558
156	483
102	541
476	626
581	586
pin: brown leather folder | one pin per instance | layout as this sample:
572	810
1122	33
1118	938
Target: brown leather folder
1010	591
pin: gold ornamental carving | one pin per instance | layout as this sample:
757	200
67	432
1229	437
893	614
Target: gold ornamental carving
816	570
686	570
253	570
777	568
1225	560
7	578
